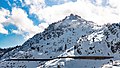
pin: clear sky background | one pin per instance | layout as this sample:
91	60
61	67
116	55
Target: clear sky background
21	19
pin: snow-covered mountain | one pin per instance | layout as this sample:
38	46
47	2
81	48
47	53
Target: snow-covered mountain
72	36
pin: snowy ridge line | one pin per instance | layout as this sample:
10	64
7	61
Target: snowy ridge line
74	57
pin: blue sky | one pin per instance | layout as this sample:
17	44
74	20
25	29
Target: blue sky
22	19
10	39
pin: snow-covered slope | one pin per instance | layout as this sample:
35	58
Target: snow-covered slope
5	50
72	36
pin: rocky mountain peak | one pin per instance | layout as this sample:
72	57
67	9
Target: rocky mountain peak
72	17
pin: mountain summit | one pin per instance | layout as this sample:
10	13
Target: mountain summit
72	36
